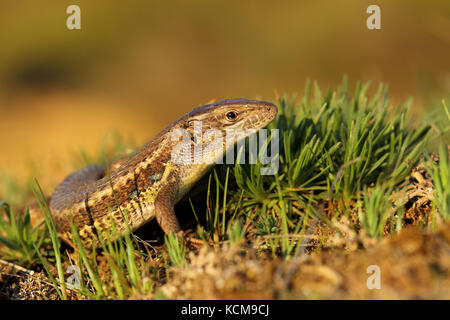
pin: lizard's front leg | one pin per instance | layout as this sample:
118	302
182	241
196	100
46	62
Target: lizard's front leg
164	207
165	214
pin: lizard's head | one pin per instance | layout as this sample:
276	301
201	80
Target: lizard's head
213	129
226	122
234	114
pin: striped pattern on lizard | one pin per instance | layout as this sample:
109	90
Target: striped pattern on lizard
148	184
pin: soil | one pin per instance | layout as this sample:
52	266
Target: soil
414	264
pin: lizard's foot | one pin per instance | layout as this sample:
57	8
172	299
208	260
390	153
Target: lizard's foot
197	243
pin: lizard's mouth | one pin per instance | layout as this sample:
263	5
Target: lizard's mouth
268	113
268	110
273	110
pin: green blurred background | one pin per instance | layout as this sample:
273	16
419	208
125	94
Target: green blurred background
136	65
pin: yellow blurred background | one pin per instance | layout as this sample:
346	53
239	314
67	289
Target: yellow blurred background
137	65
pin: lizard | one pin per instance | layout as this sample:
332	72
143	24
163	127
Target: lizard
149	183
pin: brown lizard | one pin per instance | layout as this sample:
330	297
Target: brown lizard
148	184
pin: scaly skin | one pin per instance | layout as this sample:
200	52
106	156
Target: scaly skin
148	184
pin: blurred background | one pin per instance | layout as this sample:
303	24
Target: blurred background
135	66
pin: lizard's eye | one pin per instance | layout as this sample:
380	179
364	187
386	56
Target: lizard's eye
231	115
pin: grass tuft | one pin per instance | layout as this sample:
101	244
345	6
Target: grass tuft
441	180
19	241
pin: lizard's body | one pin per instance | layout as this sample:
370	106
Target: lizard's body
148	184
